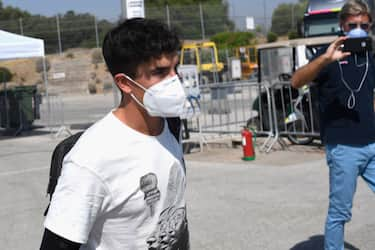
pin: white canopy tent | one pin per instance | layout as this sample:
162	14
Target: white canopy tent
14	46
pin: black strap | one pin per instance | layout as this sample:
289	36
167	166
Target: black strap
174	124
53	241
56	162
57	159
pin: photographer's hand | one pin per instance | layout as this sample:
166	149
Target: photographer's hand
334	51
309	72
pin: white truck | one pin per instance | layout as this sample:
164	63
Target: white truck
321	17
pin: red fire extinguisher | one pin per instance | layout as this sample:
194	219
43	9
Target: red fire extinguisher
247	145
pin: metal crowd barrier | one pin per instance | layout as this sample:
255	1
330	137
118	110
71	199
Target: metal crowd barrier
274	110
53	115
294	113
225	108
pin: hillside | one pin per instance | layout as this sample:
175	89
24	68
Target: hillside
72	72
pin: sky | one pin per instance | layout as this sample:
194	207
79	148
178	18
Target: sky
111	9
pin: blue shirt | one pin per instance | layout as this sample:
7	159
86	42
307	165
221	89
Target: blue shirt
338	123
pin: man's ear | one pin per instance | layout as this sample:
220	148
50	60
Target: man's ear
123	83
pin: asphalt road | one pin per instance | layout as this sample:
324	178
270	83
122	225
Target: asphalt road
278	201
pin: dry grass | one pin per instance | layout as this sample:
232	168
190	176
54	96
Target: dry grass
23	71
75	63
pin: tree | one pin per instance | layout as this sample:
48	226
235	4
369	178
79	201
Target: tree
286	17
10	13
76	30
5	75
271	37
233	39
185	16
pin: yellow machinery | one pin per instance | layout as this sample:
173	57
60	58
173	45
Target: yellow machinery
249	60
205	56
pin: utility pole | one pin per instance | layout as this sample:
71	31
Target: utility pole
21	26
168	16
292	16
202	22
58	34
265	16
123	9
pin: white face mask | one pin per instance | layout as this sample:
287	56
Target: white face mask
164	99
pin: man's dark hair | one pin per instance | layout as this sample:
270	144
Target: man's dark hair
136	41
354	8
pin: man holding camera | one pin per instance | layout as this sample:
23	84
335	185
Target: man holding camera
345	81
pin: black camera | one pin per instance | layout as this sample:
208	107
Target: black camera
357	45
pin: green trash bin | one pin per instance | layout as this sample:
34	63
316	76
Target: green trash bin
20	108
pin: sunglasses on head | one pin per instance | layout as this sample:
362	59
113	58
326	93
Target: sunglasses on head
364	26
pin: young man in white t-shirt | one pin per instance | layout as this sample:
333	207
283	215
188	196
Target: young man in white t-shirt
122	185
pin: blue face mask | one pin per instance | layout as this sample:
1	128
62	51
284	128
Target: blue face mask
356	33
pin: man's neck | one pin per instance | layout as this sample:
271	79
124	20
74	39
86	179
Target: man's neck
139	121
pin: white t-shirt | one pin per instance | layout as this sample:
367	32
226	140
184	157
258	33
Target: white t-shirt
121	189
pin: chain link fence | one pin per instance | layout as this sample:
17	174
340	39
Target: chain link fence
193	22
81	90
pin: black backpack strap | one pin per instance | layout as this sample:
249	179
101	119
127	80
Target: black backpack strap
174	124
57	160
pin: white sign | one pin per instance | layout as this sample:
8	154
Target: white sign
190	82
58	75
236	69
250	24
135	8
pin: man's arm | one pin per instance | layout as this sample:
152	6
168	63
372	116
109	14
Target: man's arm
53	241
310	71
74	207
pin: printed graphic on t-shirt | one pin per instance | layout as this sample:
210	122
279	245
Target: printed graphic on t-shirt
171	232
149	186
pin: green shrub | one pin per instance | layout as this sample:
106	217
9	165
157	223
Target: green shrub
96	57
293	35
271	37
258	29
5	74
233	39
70	55
39	65
92	88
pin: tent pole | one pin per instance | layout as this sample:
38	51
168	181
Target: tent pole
6	104
47	94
